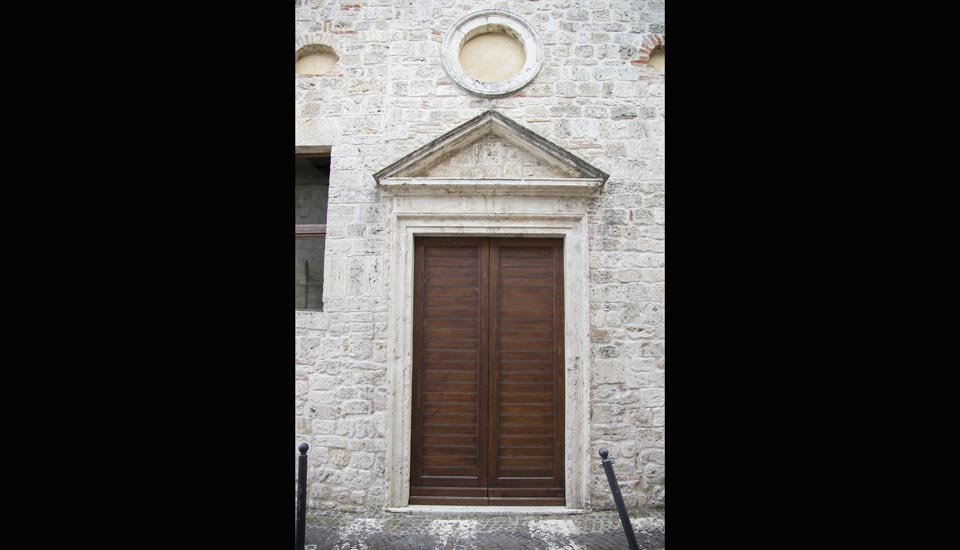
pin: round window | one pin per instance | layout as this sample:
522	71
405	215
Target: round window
492	57
492	52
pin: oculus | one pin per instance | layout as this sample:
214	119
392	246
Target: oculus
492	52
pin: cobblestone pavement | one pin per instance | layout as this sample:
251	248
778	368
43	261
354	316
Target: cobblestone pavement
382	530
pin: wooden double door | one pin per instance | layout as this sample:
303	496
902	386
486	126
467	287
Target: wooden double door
488	368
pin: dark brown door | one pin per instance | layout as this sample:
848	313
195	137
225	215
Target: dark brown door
487	372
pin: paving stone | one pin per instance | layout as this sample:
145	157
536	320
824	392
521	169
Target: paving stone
340	530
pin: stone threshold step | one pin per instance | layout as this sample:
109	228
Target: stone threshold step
520	510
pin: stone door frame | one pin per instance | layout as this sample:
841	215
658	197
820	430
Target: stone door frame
446	215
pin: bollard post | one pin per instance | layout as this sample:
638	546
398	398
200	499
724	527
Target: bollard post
607	466
301	497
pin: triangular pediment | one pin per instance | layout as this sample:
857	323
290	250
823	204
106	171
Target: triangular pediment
491	150
490	157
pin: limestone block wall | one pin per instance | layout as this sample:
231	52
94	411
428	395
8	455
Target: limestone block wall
596	96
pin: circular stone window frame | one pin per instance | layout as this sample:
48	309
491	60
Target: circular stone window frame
487	21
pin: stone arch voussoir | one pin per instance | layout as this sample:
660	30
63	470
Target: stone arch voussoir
308	43
648	43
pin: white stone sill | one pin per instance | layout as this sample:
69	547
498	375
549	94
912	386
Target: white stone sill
524	510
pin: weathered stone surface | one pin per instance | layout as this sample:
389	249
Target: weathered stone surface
492	158
374	529
389	95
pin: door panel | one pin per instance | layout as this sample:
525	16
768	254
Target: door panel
449	406
488	372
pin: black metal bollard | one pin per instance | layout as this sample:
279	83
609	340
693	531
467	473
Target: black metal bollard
301	497
607	465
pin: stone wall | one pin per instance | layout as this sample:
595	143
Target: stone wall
387	96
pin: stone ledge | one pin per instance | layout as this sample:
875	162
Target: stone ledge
554	187
521	510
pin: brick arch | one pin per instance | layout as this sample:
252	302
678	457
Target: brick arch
318	41
648	43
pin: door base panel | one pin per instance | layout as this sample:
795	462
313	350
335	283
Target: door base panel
517	501
461	501
448	492
488	501
483	496
525	492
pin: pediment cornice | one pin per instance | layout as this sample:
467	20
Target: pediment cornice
407	175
